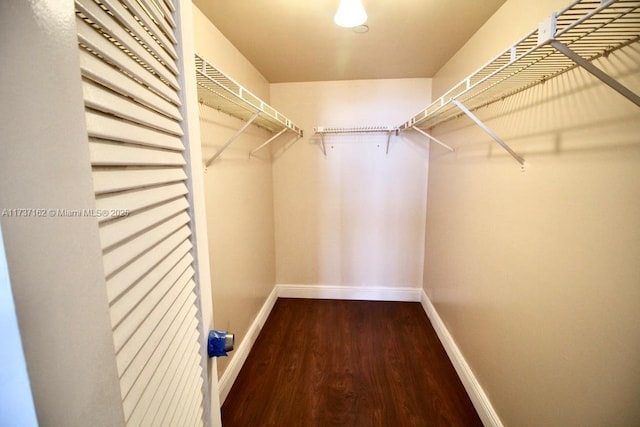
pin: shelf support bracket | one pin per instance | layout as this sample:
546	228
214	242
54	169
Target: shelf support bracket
437	141
588	66
488	131
267	142
324	149
233	138
388	142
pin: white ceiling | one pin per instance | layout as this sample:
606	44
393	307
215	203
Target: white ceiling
296	40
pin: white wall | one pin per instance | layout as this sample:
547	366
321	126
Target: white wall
535	273
356	216
239	197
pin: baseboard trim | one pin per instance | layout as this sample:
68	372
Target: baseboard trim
477	395
349	292
241	353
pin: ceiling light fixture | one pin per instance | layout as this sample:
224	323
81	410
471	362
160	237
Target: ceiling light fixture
361	29
350	14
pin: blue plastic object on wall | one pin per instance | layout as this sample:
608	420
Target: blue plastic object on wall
219	343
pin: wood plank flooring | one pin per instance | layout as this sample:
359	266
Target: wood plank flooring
347	363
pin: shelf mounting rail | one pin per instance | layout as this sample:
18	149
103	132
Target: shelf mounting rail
218	91
323	130
574	37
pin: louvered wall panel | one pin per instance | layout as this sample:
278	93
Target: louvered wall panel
137	199
130	84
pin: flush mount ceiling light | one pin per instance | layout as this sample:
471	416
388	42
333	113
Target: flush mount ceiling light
350	14
361	29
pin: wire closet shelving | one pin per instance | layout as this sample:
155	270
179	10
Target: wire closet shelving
322	131
582	32
218	91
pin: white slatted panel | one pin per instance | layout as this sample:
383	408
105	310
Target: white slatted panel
128	63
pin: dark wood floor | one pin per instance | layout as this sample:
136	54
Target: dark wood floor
347	363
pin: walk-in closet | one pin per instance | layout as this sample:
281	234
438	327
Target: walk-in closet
428	216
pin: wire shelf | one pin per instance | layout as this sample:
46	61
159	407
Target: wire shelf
218	91
323	130
591	28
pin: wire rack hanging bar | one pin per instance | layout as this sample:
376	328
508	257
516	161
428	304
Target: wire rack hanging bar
582	32
325	130
218	91
328	130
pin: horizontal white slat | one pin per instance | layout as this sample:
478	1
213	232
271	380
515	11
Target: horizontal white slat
187	370
170	5
194	402
194	395
126	277
105	153
135	200
136	404
152	353
163	31
195	417
121	229
191	371
110	180
97	70
150	302
112	128
189	399
162	314
166	13
160	319
166	272
106	22
149	406
193	388
190	408
119	59
101	99
150	402
145	388
127	252
126	19
161	26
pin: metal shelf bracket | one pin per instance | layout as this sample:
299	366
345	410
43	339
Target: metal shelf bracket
233	138
488	131
437	141
264	144
324	148
573	37
389	141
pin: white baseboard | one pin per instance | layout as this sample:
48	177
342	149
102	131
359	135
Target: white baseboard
241	353
349	292
477	395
